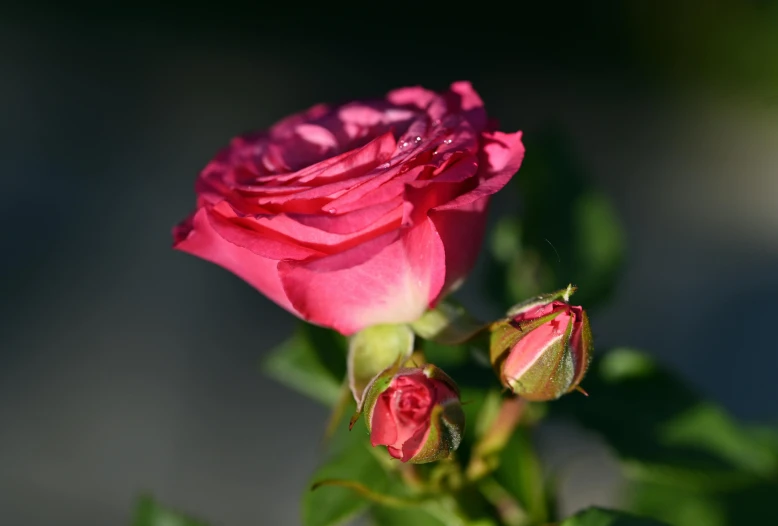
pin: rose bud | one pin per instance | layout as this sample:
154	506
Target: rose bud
415	413
358	214
542	350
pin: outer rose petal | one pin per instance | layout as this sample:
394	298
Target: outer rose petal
383	429
461	231
387	280
203	241
503	152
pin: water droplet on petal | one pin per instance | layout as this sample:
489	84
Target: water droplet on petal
417	139
331	210
383	166
403	144
448	141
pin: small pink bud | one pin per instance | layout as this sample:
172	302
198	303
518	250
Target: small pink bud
415	413
542	350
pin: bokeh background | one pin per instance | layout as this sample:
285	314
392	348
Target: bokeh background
126	367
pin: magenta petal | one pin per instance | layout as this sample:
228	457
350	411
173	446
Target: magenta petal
352	221
383	430
461	231
416	442
415	95
249	234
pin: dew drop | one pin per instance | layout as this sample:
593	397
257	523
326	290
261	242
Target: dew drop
403	144
331	210
417	139
383	166
448	141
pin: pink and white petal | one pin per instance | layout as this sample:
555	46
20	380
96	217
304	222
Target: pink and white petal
390	279
202	240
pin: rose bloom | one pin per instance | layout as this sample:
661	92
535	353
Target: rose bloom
416	414
358	214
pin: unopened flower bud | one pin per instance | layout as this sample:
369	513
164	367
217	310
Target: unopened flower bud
542	350
415	413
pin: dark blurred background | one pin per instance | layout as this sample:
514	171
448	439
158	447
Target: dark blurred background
128	367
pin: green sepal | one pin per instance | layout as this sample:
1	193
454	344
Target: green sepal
447	424
540	300
433	372
377	385
507	333
372	350
585	352
448	324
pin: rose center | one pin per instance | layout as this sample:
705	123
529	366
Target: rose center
411	404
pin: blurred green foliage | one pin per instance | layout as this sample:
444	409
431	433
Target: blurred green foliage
563	231
729	45
149	512
602	517
312	361
687	462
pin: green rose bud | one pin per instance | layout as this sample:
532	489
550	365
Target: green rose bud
542	350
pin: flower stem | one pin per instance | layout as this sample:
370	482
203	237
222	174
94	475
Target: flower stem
484	459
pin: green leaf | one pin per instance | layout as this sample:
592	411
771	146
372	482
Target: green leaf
603	517
520	473
332	505
564	231
312	362
149	512
383	516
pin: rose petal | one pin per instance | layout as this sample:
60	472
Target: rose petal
461	232
321	240
383	431
353	221
247	233
412	96
390	279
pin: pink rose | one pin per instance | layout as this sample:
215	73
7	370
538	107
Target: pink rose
543	349
415	413
359	214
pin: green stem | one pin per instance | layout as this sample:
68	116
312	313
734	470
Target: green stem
511	513
485	452
364	491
